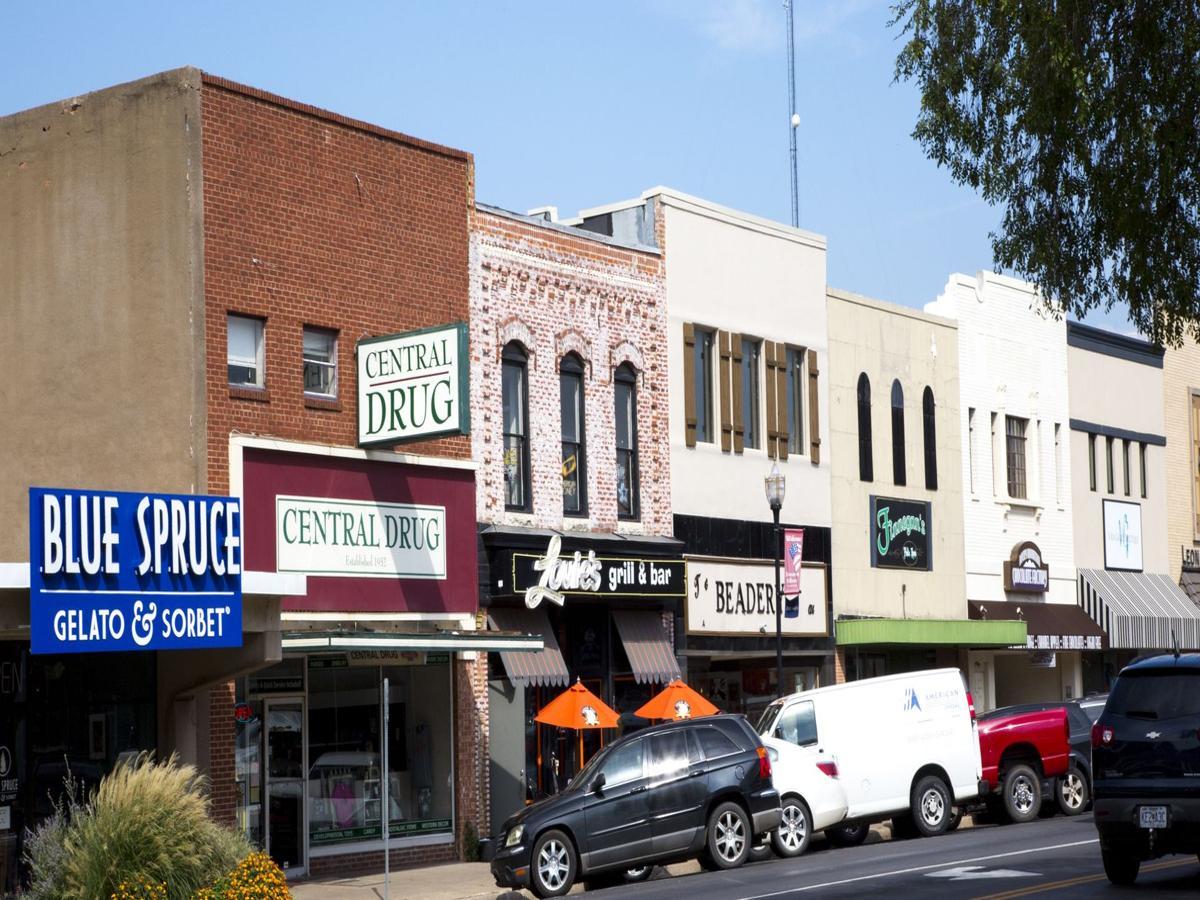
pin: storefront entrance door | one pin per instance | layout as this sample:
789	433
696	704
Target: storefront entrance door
285	784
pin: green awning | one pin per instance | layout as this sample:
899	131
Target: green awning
964	632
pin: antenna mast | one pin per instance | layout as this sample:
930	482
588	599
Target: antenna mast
794	118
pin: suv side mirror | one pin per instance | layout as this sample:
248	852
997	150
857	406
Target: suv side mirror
598	782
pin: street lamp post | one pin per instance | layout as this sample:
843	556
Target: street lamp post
775	484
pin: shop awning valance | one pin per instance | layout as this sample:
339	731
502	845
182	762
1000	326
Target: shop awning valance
646	644
325	641
544	668
1048	626
1139	611
930	632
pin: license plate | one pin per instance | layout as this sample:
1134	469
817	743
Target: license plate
1152	816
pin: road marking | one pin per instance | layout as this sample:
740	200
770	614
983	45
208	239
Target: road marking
909	871
971	873
1075	882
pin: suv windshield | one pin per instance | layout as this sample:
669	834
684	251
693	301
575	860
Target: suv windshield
1155	694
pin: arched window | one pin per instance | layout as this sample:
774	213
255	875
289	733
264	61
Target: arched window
515	391
574	439
930	440
866	467
898	433
625	407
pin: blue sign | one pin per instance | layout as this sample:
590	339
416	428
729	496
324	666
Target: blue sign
111	570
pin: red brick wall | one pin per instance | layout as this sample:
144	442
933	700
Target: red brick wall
369	863
555	292
312	219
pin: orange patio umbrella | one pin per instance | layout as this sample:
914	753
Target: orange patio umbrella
676	701
578	708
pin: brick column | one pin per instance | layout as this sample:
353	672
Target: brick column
472	801
221	737
839	666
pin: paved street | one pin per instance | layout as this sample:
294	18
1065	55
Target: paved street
1057	857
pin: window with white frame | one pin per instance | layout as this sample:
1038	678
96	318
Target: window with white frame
320	361
1014	431
244	351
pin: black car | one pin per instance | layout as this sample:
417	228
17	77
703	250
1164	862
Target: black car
698	788
1146	759
1072	790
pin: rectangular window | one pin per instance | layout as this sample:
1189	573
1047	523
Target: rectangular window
627	457
1196	462
1125	464
1108	456
797	379
971	448
244	351
1092	461
345	743
1142	466
1058	464
574	470
705	345
751	352
1014	430
516	432
320	361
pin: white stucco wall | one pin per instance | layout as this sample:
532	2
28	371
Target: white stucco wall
732	271
1012	361
887	343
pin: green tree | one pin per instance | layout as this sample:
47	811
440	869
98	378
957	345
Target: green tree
1079	118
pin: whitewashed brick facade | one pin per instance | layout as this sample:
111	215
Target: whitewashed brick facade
1012	362
557	289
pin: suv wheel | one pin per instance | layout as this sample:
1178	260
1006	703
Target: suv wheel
930	803
553	870
1119	867
1022	793
795	831
1072	792
728	836
637	873
849	835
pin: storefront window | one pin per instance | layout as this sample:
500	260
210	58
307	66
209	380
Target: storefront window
345	777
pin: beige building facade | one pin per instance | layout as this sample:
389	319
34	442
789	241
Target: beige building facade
899	586
1181	424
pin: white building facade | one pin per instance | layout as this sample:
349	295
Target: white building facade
1014	421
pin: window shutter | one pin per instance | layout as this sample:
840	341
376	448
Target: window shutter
726	344
772	398
783	434
814	417
739	425
689	384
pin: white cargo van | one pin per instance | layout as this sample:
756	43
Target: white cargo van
905	745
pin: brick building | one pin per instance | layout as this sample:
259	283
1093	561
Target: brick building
569	405
218	263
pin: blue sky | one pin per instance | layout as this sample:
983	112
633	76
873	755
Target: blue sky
579	104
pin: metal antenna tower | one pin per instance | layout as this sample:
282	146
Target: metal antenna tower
794	122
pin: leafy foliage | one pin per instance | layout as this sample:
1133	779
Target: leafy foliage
144	832
1080	118
256	877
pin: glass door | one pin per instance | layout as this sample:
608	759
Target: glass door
285	784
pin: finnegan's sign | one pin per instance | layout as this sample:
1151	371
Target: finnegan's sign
413	385
900	534
111	570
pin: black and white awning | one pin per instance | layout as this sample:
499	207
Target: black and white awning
1139	610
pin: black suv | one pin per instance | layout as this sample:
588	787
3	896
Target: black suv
699	788
1146	764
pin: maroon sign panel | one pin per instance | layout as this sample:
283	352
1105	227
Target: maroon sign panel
267	475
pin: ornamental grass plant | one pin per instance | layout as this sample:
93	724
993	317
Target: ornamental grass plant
144	832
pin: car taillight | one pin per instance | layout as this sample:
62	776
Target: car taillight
829	768
971	705
764	763
1102	735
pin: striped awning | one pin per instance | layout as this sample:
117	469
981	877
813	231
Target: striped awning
543	668
646	644
1139	611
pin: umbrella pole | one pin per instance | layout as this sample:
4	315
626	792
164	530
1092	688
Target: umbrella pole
581	749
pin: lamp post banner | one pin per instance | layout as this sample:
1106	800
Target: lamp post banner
793	552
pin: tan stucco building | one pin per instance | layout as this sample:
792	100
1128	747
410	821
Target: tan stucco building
1181	424
899	593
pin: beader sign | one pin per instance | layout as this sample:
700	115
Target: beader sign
413	385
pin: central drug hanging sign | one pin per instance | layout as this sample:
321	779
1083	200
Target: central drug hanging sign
111	570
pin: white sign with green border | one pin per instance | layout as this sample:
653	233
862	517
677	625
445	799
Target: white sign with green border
413	385
361	539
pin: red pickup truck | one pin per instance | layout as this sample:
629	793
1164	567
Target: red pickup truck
1022	753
